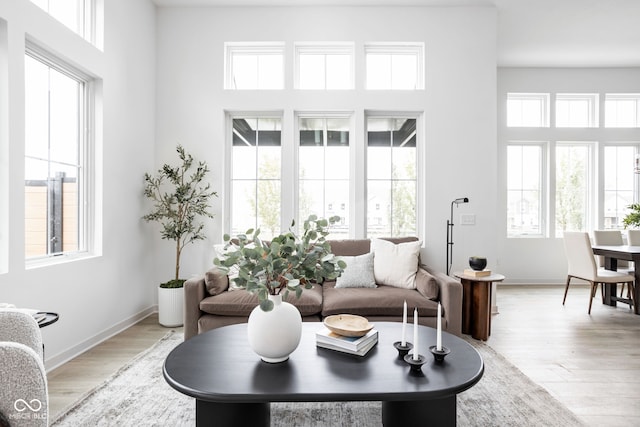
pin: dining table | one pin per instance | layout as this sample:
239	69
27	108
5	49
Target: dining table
611	256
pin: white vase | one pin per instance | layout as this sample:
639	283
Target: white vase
170	306
275	334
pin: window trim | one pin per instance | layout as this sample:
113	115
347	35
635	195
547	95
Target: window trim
86	177
544	185
593	120
620	97
253	48
392	48
334	48
545	99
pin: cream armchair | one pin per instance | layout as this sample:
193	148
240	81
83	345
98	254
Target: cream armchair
23	380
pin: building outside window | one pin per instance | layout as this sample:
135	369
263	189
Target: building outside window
525	174
55	157
324	170
256	159
619	182
391	176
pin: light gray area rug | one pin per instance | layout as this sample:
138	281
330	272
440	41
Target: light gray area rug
137	395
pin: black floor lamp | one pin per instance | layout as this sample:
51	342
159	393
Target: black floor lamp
450	232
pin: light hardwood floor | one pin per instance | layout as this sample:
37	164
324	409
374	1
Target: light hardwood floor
591	363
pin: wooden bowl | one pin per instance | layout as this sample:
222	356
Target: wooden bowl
348	325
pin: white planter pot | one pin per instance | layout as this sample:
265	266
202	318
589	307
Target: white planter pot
171	306
275	334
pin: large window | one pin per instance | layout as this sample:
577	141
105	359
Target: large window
582	176
251	66
394	66
619	183
55	157
324	170
525	164
322	66
255	175
573	187
391	176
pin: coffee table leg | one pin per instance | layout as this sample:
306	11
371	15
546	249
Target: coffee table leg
232	414
419	413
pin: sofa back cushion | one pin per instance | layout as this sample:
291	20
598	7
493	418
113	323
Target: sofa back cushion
354	247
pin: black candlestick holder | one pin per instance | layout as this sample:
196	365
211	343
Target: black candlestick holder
402	349
439	355
416	364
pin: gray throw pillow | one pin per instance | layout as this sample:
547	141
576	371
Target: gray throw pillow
359	272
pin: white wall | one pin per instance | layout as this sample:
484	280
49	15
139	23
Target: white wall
458	103
100	295
542	260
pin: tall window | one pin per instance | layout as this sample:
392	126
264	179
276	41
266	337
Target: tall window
254	66
324	66
524	189
255	175
622	110
391	176
323	170
394	67
55	157
577	110
528	110
573	187
619	181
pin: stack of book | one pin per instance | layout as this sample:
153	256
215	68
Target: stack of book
476	273
352	345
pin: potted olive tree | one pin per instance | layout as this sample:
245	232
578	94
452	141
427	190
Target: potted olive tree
632	219
180	198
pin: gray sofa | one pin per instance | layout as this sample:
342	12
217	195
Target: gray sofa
209	305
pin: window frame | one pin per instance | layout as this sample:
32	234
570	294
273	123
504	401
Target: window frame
545	112
542	200
86	175
325	49
87	22
251	48
420	162
389	48
593	99
620	97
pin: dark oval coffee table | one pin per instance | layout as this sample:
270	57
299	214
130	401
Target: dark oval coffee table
233	387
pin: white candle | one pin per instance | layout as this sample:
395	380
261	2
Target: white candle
439	331
404	324
415	334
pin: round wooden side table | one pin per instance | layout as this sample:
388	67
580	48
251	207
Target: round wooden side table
476	303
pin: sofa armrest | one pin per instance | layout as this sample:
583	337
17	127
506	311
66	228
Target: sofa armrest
450	297
194	292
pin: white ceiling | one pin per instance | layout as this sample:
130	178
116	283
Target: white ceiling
535	33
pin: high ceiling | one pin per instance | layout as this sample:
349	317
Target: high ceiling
535	33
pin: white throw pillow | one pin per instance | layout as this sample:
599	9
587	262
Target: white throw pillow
359	272
395	264
221	251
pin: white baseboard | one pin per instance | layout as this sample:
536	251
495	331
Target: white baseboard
61	358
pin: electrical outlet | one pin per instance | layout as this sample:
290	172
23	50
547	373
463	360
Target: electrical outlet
468	219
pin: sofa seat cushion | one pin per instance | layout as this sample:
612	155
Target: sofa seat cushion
381	301
240	302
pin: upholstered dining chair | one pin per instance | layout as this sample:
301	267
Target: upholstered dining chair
613	238
582	265
24	399
633	237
